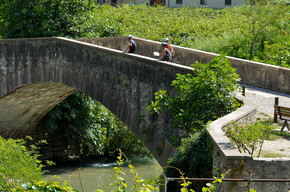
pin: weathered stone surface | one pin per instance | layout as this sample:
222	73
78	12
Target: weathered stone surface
24	107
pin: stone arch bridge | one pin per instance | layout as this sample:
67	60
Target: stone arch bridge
36	74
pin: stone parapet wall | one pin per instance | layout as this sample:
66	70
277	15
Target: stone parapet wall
243	166
252	73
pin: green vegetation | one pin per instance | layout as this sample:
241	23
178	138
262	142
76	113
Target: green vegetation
42	18
199	99
21	171
250	137
139	185
18	164
258	31
205	95
194	158
96	131
45	186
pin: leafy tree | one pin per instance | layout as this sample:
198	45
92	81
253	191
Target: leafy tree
42	18
263	23
250	137
200	97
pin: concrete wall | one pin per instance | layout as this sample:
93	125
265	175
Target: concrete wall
251	73
125	84
243	166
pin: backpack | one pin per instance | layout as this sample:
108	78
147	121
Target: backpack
133	46
168	55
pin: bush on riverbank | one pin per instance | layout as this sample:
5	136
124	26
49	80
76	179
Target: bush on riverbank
194	158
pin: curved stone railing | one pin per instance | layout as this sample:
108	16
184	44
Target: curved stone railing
227	157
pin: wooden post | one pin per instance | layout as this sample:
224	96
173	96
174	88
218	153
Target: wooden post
276	103
243	91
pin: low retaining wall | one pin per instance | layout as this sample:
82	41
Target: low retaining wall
251	73
243	166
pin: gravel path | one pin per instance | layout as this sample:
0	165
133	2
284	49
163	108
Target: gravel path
265	99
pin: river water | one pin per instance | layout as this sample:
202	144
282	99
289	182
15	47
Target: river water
98	175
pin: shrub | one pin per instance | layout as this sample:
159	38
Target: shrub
38	18
45	186
193	158
18	164
250	137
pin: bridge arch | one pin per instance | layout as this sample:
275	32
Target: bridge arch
125	84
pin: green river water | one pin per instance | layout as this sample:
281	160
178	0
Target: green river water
98	175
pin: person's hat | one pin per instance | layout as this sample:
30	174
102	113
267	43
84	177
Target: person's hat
166	39
129	36
164	44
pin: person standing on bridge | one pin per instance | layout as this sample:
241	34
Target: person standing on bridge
165	54
131	47
169	47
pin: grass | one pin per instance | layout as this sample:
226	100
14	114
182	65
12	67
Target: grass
275	135
276	127
268	154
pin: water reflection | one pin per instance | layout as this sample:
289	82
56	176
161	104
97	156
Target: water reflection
98	175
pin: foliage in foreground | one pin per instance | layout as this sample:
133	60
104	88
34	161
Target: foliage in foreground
18	164
20	171
249	138
118	182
